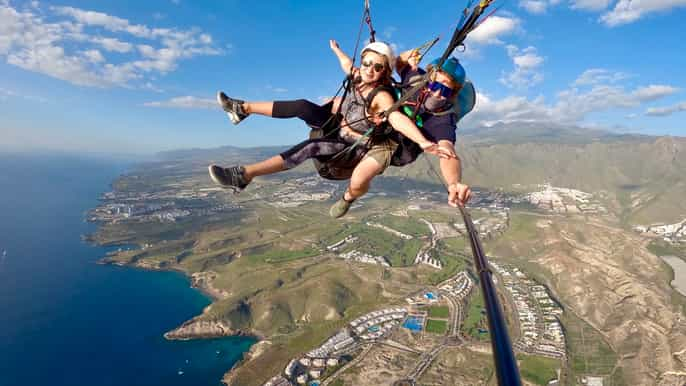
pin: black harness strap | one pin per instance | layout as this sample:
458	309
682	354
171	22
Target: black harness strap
368	20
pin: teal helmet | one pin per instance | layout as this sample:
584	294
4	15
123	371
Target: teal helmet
453	68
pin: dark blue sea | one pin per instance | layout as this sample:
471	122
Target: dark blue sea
65	320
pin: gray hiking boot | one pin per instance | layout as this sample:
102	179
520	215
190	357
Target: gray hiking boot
340	208
233	177
233	107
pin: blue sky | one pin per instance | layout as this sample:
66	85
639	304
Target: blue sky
139	77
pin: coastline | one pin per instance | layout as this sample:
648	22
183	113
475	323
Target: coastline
196	328
120	314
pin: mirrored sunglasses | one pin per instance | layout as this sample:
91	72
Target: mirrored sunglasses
446	92
378	67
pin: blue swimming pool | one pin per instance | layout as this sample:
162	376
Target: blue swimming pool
414	323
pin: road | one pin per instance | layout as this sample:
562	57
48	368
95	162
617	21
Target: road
348	365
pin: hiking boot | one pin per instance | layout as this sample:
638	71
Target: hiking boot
340	208
233	177
233	107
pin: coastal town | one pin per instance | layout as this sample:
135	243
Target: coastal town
434	317
671	233
163	206
300	191
564	200
430	313
538	314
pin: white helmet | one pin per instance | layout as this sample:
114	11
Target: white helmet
381	49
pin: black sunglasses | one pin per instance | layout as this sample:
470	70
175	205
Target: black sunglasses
378	67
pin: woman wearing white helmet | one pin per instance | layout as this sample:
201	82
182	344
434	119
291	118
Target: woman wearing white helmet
370	95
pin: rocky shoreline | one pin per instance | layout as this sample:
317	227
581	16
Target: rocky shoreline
256	350
197	328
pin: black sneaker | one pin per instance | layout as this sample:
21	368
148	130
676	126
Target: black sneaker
230	177
233	108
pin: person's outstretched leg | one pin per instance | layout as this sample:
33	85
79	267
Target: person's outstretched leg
261	108
239	177
271	165
360	181
312	114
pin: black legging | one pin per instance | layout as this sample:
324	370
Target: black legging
321	149
312	114
315	116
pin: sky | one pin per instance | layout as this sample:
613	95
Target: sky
137	77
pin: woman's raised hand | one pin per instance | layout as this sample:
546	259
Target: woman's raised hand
334	45
414	59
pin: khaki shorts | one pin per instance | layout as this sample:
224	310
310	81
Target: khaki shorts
382	152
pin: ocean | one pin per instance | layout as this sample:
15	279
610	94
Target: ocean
65	320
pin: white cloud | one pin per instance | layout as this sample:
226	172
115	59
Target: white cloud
112	44
571	106
185	102
665	111
151	87
599	75
511	109
528	59
627	11
6	94
623	12
534	6
388	32
590	5
526	67
653	92
68	49
537	6
276	89
493	28
94	56
111	23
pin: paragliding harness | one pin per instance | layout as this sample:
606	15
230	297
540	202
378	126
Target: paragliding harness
340	166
